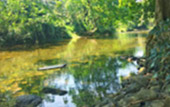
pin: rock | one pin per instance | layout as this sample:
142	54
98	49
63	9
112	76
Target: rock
156	88
134	87
167	89
157	103
122	103
103	103
147	104
125	103
110	105
143	80
118	97
167	101
28	101
153	82
146	94
49	90
139	79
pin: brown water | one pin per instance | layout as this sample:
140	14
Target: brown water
93	69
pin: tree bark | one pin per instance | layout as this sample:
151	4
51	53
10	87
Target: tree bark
162	10
158	41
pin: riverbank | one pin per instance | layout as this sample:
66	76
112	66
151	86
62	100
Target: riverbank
141	90
73	37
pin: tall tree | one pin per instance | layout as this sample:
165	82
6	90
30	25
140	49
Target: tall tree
158	41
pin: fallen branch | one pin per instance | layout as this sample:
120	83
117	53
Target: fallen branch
52	67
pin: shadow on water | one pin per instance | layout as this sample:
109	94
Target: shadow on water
93	70
34	47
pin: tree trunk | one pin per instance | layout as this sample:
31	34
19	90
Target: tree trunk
162	10
158	41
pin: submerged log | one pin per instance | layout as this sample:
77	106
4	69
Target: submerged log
52	67
54	91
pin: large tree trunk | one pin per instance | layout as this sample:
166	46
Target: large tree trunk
158	41
162	10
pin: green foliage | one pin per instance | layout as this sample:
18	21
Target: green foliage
27	21
108	16
163	26
38	21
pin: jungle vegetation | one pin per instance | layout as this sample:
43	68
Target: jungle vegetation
41	21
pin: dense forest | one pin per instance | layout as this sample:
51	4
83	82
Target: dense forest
40	21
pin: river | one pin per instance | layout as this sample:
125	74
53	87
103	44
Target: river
93	69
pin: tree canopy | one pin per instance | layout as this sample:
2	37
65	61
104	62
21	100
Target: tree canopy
39	21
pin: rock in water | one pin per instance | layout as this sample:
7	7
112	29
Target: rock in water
28	101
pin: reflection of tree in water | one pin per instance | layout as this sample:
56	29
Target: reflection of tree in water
32	85
95	75
95	79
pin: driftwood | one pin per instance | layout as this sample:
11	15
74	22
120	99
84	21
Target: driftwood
52	67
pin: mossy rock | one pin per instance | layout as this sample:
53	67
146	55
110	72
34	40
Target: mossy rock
146	94
157	103
28	101
167	89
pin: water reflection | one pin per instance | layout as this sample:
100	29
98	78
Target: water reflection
87	83
94	80
93	70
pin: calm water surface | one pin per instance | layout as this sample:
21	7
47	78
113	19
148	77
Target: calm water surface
92	72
